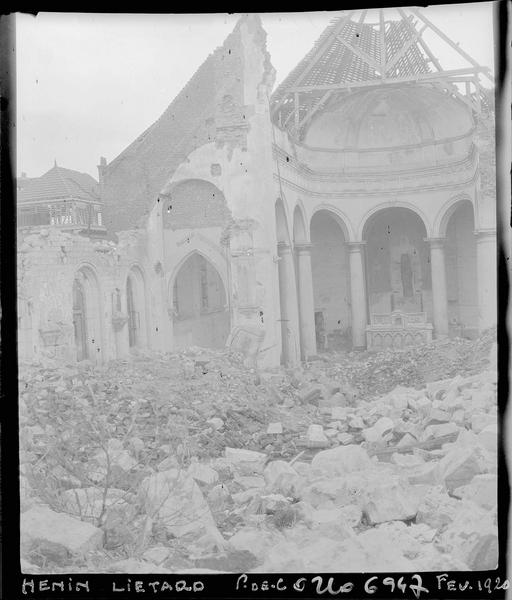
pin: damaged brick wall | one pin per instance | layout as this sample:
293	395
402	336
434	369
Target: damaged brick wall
209	108
194	204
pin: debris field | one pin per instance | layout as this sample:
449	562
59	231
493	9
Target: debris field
194	462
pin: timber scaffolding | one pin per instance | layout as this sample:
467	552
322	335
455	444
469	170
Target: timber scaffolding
353	54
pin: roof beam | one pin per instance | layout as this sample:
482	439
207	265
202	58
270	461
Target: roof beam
315	108
404	49
382	31
388	81
316	57
362	55
484	70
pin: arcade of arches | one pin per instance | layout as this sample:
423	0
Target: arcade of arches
342	287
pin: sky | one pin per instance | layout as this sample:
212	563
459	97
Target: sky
89	84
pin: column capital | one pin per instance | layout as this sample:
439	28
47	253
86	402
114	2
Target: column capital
485	235
303	247
356	246
283	248
435	242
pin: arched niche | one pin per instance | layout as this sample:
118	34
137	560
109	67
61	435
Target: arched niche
331	281
398	272
458	227
87	312
199	305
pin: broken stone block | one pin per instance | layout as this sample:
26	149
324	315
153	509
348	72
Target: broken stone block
203	473
267	504
459	416
331	491
428	473
378	432
331	432
423	406
216	423
41	527
435	431
330	522
406	460
171	462
352	514
473	538
316	436
488	438
342	460
356	423
437	416
310	394
338	413
275	428
480	421
459	467
407	440
437	509
218	497
246	462
255	540
175	499
338	399
250	481
390	501
345	438
482	490
275	469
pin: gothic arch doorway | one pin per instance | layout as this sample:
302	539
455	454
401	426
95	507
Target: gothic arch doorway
87	316
200	311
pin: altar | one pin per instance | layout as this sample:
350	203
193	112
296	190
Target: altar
398	330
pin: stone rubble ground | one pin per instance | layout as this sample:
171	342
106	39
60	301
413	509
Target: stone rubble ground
173	463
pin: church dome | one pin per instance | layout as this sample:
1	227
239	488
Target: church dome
387	118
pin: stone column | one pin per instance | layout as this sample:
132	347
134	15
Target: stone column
306	301
439	296
289	309
486	278
357	294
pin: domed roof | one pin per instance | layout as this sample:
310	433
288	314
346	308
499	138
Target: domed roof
389	117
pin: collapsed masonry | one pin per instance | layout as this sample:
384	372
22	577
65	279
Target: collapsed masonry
191	461
352	207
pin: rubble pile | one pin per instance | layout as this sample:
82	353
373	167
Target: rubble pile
187	461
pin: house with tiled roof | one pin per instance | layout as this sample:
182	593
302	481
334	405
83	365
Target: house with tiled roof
60	197
343	210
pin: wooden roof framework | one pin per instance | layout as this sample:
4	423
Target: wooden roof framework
357	54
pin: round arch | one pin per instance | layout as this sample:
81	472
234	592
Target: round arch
300	234
87	314
363	224
339	216
397	255
447	210
197	295
457	228
330	266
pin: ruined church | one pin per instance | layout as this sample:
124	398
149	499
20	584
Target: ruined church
345	209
